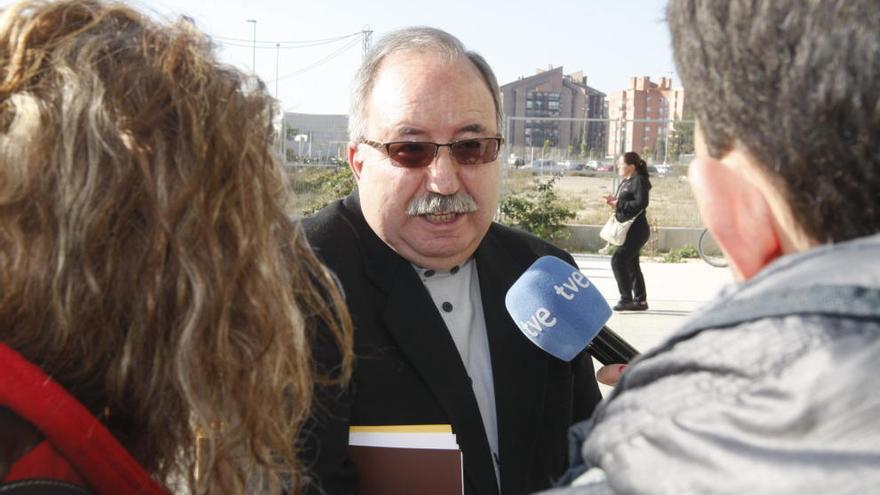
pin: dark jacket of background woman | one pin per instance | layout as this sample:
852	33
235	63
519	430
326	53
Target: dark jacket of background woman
632	198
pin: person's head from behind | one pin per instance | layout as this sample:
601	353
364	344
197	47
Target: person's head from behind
417	88
786	97
147	262
630	163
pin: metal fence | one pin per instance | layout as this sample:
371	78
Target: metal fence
555	143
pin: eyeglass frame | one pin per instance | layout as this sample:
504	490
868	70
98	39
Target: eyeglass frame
385	147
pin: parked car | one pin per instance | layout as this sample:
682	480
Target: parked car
658	169
606	167
542	166
568	165
592	165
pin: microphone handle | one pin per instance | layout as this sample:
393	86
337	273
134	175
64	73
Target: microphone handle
610	348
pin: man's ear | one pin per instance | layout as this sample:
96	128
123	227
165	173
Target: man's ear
355	163
737	213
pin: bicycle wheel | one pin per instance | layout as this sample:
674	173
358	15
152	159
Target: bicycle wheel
709	250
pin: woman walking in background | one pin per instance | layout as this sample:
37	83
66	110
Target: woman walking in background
630	202
156	300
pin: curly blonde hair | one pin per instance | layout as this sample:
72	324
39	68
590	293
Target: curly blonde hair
147	259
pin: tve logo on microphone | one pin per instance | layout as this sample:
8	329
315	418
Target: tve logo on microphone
557	307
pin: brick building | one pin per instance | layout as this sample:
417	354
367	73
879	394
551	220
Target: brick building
641	116
554	96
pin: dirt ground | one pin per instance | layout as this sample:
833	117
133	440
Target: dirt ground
671	201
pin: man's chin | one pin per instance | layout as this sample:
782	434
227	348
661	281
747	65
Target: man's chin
438	245
438	257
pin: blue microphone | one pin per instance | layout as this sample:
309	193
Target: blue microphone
561	311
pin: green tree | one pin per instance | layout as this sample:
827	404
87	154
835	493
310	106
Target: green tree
538	211
681	139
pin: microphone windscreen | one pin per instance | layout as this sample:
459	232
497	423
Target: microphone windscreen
557	307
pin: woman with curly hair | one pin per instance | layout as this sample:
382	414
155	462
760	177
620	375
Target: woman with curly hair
153	290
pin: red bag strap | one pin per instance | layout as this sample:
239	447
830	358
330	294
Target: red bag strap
71	429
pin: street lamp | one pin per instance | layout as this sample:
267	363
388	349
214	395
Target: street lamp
254	49
670	122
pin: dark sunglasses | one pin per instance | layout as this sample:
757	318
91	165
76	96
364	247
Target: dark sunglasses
416	154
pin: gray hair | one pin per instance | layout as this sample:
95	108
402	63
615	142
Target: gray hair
411	39
434	203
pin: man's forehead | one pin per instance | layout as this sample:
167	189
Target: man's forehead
431	129
416	104
407	130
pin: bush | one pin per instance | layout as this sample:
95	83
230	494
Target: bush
320	187
538	211
677	255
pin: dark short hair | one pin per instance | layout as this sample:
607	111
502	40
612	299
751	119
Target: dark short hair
795	83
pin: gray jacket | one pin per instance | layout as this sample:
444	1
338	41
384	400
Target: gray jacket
772	388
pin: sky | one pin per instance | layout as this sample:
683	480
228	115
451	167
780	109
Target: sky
609	40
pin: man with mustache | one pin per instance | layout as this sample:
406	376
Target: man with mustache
425	272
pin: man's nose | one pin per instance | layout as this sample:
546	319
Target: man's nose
443	173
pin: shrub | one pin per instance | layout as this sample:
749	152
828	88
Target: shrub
317	188
677	255
538	211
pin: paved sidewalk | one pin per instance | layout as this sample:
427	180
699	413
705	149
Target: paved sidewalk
674	291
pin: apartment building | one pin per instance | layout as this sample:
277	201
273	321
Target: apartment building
554	99
641	116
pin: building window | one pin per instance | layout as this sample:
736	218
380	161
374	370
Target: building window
542	104
539	132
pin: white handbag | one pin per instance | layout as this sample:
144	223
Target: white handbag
614	232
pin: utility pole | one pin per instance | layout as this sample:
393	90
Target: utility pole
666	144
368	35
277	56
282	138
254	46
670	121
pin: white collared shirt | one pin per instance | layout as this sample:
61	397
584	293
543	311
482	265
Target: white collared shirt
456	293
